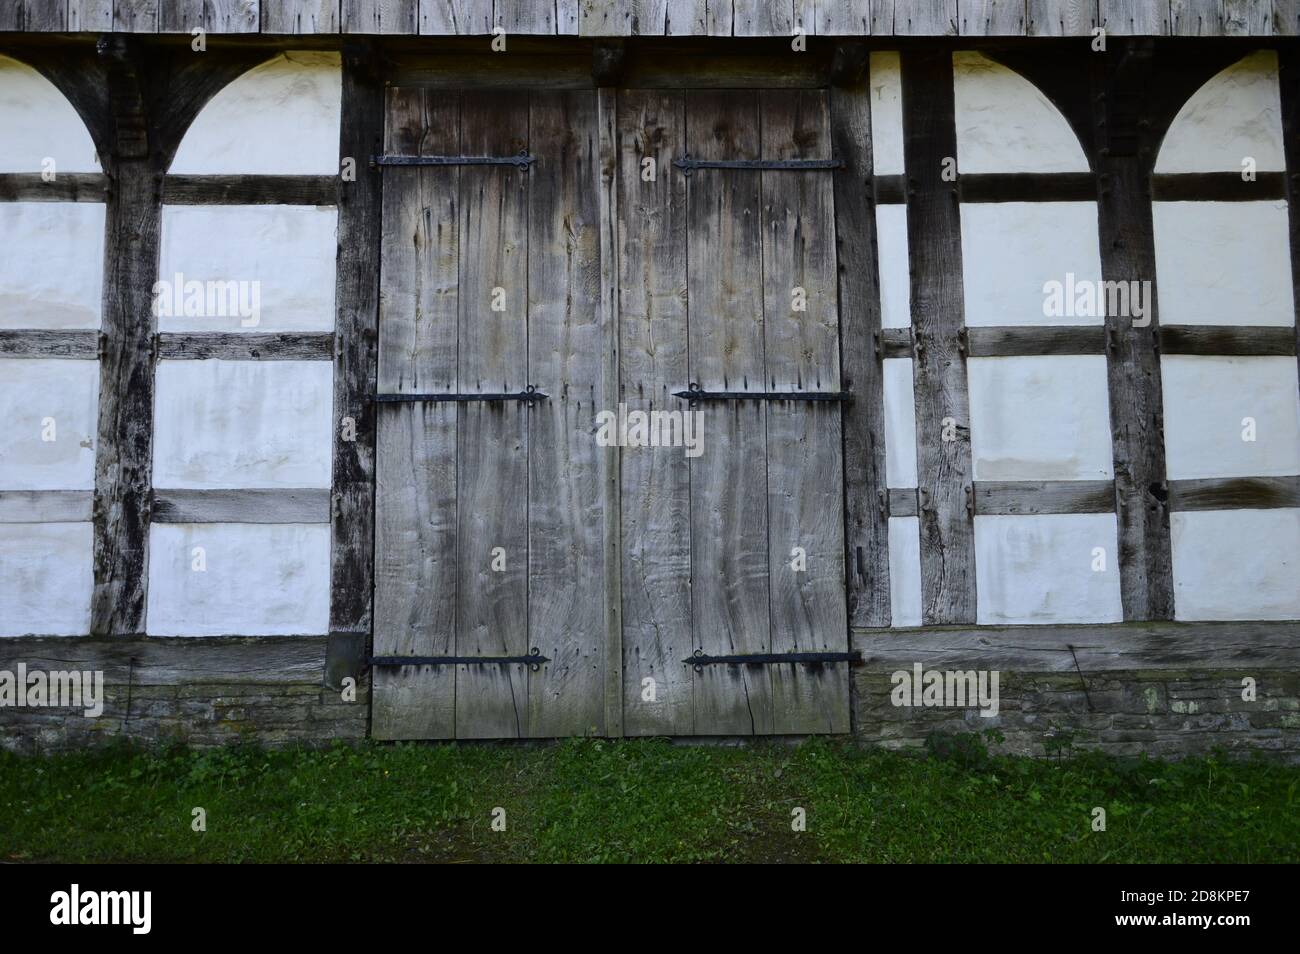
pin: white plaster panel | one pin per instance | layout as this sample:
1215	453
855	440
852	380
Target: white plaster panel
1206	400
280	118
905	571
1223	263
48	397
284	256
1040	418
900	423
1235	114
1011	250
1236	564
52	268
1047	569
895	277
46	578
260	579
242	424
1004	124
886	74
38	123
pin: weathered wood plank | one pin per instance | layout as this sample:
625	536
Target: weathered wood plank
49	344
1060	17
939	369
656	503
1217	187
176	661
894	343
762	17
1286	17
135	16
1234	493
1289	90
1132	363
991	17
1028	187
566	469
1196	17
843	18
381	16
46	506
1135	17
1247	18
1227	340
992	342
247	346
300	16
455	17
1044	496
250	190
805	491
882	17
902	502
309	505
867	543
524	17
719	18
36	16
1123	647
67	187
925	17
85	16
492	453
729	530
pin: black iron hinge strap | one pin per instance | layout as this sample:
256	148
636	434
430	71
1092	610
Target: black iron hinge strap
529	395
695	394
534	659
687	163
522	160
700	659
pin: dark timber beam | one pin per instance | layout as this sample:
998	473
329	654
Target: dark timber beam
861	369
1289	81
943	448
357	331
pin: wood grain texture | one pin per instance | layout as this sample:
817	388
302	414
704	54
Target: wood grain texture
135	16
1227	340
1234	493
250	190
1286	17
85	16
991	17
68	187
1044	496
1247	18
246	346
939	368
867	527
729	528
995	341
1289	90
656	499
49	344
843	17
300	16
924	17
805	491
1196	17
46	506
1217	187
455	17
310	505
1134	17
380	16
1060	17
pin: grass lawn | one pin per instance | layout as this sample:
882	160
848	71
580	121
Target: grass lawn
641	801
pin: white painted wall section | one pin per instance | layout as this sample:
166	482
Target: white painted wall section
280	257
38	123
1236	564
49	422
259	579
892	258
905	571
1011	250
1044	569
1040	418
900	423
1207	401
1223	263
248	424
886	78
1237	113
52	266
46	578
280	118
1004	124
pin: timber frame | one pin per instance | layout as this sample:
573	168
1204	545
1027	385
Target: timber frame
137	96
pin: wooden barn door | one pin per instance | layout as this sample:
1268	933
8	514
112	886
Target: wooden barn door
727	281
489	541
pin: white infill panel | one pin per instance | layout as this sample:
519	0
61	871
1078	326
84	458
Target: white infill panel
1236	564
52	266
49	421
46	578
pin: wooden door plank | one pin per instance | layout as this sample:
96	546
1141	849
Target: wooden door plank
415	543
729	538
300	16
805	493
656	503
492	454
566	560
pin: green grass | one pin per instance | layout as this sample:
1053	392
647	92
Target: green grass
641	801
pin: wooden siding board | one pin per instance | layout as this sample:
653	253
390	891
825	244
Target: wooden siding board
1234	493
656	500
729	532
1060	17
925	17
49	344
843	18
944	467
1289	89
991	17
1135	17
300	16
1286	17
380	16
1196	17
85	16
135	16
308	505
455	17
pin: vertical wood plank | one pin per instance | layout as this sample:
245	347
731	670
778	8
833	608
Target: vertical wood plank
524	17
380	16
182	16
867	522
762	17
729	534
566	539
361	129
1061	17
415	479
656	501
939	366
1196	17
135	16
925	18
300	16
1289	87
566	17
233	16
40	16
85	16
991	17
805	493
455	17
718	18
843	17
1286	17
882	17
1135	17
492	471
1127	237
1247	18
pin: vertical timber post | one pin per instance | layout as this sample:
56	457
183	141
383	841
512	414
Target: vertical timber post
1289	81
943	449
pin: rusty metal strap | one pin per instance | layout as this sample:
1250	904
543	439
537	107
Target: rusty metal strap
522	160
699	660
535	658
695	394
529	395
688	164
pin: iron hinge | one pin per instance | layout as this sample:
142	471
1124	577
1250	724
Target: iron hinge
529	395
695	394
521	160
688	164
700	659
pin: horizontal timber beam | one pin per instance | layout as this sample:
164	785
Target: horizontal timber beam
1218	187
1004	341
1234	493
246	346
77	343
1044	496
65	187
250	190
308	505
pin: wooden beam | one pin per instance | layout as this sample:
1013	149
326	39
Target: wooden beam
250	190
46	506
310	505
1217	187
997	341
36	343
1227	339
939	366
66	187
866	539
1029	187
1044	496
246	346
1234	493
1289	88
